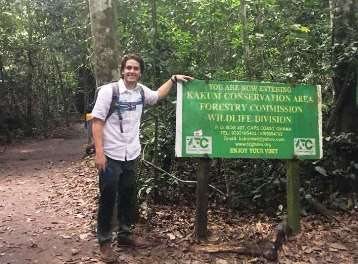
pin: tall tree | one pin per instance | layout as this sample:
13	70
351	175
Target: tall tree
345	65
102	13
245	38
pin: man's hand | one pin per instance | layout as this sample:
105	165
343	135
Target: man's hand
165	88
101	161
182	78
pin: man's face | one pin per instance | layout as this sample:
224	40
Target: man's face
131	72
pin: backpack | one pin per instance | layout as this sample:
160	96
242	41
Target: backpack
90	149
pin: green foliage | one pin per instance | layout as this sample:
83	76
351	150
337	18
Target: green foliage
42	45
46	46
333	179
287	42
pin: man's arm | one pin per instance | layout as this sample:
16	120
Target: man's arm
97	129
164	90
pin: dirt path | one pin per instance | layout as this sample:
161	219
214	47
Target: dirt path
48	208
48	201
35	227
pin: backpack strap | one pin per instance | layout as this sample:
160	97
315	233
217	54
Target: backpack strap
115	97
143	98
142	95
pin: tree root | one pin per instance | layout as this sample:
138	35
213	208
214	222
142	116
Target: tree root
264	248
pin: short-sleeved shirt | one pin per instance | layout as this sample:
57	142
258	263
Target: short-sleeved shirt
122	145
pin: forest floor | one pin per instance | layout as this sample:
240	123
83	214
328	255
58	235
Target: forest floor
48	195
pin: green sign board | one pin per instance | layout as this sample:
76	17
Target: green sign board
232	119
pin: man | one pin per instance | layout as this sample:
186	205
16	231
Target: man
117	148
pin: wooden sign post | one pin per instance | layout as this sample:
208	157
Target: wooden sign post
293	195
201	215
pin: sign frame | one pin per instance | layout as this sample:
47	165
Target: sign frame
303	144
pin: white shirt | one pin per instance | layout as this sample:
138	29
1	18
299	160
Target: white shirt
126	145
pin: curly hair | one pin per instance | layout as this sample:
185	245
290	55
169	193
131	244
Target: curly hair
132	56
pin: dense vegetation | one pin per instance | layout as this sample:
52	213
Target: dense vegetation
47	79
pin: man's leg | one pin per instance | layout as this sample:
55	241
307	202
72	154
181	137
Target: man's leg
127	199
108	182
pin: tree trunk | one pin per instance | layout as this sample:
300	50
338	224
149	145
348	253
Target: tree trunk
259	70
86	91
29	95
344	64
245	39
155	77
102	14
65	93
155	47
2	72
44	98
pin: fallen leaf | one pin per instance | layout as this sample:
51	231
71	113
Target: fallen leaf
74	251
221	261
321	170
338	246
171	236
83	236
